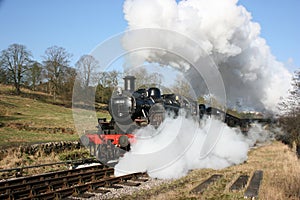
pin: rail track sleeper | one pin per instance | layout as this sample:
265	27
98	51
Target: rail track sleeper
125	179
93	176
78	190
204	185
14	188
107	174
240	183
49	175
4	190
102	191
111	181
97	184
21	194
25	186
133	176
61	194
4	196
85	195
85	178
8	189
40	189
141	180
44	196
73	181
101	175
41	183
114	186
253	187
57	185
131	184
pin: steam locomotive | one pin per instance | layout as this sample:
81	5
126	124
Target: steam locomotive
131	109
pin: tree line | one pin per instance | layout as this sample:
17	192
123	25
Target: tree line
290	116
53	75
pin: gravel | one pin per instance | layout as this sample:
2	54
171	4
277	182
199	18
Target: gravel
127	190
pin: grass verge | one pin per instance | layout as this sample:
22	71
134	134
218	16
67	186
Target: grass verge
281	178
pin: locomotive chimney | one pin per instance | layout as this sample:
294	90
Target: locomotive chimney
129	83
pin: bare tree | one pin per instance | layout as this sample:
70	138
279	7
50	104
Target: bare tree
4	78
86	69
109	79
141	77
290	118
56	60
112	78
34	74
103	77
291	104
181	86
16	60
145	79
67	84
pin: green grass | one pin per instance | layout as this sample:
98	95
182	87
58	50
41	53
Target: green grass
26	110
14	137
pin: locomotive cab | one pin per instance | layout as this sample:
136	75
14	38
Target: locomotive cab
154	93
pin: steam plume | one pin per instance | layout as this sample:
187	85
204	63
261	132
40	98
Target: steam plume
175	148
227	33
250	72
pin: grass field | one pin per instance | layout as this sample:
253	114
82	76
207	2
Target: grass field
34	110
281	178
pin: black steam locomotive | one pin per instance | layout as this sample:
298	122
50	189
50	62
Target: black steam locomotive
131	109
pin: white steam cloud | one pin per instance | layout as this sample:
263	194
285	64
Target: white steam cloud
249	71
225	31
176	147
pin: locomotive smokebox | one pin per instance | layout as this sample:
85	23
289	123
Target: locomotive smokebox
129	83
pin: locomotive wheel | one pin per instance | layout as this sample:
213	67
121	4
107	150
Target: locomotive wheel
123	141
85	140
107	152
101	153
157	114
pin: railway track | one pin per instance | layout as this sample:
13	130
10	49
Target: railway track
62	184
19	171
87	181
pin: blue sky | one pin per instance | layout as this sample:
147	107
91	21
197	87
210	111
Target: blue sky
79	26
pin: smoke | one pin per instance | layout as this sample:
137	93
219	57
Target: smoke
251	75
226	32
177	147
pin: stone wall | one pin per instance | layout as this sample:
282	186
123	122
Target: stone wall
49	147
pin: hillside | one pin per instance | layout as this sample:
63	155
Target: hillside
32	118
